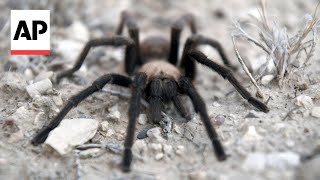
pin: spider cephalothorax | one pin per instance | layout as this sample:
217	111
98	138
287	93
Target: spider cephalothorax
153	74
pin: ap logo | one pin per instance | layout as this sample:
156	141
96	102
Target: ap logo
30	32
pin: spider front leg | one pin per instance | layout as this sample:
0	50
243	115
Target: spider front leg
176	30
97	85
226	73
200	108
138	88
192	43
130	22
130	54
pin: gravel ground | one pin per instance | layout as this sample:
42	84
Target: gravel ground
282	144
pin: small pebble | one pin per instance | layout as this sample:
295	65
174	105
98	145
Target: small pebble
159	156
265	80
120	135
104	125
156	147
39	87
316	112
177	129
110	132
154	134
28	74
251	135
142	134
114	113
140	147
168	150
198	175
142	119
218	120
180	150
216	104
57	100
304	101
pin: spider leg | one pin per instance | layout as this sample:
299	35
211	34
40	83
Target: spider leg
176	30
196	40
154	100
97	85
226	73
200	107
130	54
138	88
128	20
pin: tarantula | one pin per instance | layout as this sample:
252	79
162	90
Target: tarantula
153	74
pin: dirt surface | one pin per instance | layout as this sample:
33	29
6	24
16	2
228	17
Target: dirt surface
259	145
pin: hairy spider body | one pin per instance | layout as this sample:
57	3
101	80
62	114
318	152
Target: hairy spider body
154	78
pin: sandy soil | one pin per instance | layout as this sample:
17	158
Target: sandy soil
254	144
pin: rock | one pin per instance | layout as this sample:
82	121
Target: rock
283	160
104	125
110	132
304	101
143	134
180	150
140	147
177	129
39	88
168	150
57	100
198	175
158	156
309	170
71	132
265	80
316	112
154	134
156	147
43	75
251	135
216	104
114	113
142	119
255	162
120	135
28	74
218	120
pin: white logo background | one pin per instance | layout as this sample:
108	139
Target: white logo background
43	40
